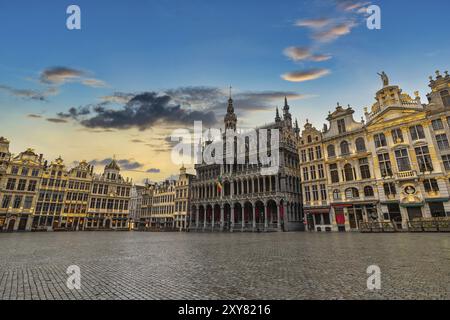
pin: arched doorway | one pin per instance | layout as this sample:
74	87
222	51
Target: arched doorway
11	224
201	216
248	215
208	215
217	216
272	214
227	216
107	223
259	215
237	215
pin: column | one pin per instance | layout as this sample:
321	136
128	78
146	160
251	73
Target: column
265	215
254	216
205	212
243	216
232	219
196	218
285	217
278	217
212	219
222	218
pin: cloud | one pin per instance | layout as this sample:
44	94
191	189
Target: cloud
297	53
302	53
56	120
153	170
62	75
320	57
353	5
314	23
29	94
118	97
334	32
143	111
34	116
137	141
124	164
301	76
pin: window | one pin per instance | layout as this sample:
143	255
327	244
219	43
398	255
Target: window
446	160
380	140
331	151
360	145
35	172
307	194
305	174
303	155
25	171
312	171
345	148
442	141
32	185
445	98
336	195
348	172
318	152
417	132
402	160
364	168
17	202
311	154
334	173
321	172
21	185
11	184
14	170
424	159
389	189
431	185
351	193
28	201
341	125
315	193
368	192
397	135
437	124
385	164
6	201
323	191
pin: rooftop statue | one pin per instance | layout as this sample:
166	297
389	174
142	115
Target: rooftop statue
384	78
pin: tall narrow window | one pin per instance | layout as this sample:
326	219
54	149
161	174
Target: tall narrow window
445	98
385	164
424	159
360	145
334	173
437	124
442	141
364	168
389	189
331	151
348	172
318	152
431	185
345	148
417	132
402	160
341	126
397	135
380	140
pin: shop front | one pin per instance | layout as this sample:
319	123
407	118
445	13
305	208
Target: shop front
318	219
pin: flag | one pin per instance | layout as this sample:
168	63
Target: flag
219	184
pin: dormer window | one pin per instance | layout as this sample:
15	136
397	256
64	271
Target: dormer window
445	96
341	126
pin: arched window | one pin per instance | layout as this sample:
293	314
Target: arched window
348	172
309	139
331	151
368	191
445	98
352	193
345	148
360	145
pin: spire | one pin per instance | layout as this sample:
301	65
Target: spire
297	129
230	118
277	116
286	114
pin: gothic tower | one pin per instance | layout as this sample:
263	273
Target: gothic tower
230	118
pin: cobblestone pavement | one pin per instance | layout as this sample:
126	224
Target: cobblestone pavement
135	265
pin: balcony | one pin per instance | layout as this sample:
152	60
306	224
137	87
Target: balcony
407	175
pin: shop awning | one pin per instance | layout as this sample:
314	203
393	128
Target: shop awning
317	211
412	205
437	199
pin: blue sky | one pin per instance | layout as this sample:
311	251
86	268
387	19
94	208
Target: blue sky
153	46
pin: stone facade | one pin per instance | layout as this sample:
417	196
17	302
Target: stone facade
251	199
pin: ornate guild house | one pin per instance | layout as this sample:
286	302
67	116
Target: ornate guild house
243	197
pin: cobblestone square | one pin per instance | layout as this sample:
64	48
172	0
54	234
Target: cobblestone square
143	265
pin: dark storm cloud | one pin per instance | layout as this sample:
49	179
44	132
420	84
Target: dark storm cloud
56	120
153	170
125	164
143	111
